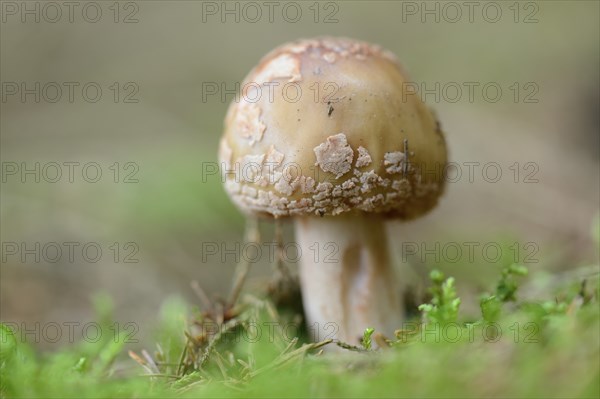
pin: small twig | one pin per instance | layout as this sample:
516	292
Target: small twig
251	235
199	291
150	361
279	263
219	361
219	313
225	328
290	345
349	347
141	362
182	357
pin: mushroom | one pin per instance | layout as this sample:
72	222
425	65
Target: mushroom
326	132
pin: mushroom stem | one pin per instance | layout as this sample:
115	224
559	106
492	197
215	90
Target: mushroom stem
347	280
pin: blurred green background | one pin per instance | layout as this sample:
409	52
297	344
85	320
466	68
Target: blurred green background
170	132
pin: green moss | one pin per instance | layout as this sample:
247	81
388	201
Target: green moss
545	348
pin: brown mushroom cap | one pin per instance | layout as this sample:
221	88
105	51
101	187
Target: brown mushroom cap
326	126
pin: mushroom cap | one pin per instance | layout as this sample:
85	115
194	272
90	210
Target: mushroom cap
329	126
